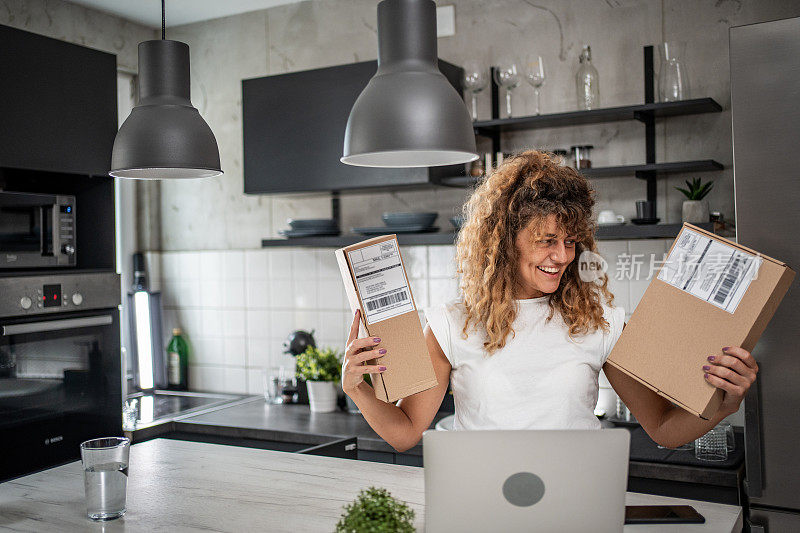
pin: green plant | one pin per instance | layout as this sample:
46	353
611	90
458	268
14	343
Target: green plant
376	511
696	190
317	364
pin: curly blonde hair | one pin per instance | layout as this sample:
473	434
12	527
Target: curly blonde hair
526	189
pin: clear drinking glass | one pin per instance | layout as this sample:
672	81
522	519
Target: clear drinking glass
475	80
729	437
105	476
130	413
507	75
713	446
673	84
535	76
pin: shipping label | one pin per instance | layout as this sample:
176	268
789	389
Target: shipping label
710	270
381	281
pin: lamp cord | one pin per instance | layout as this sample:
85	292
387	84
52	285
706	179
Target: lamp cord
163	21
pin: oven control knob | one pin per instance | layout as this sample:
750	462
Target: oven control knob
68	249
25	302
77	298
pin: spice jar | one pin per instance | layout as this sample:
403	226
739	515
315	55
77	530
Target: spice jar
581	156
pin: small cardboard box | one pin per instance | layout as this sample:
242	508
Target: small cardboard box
709	293
375	281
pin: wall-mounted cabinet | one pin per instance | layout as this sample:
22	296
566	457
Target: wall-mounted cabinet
59	104
293	128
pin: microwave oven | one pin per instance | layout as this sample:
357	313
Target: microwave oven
36	230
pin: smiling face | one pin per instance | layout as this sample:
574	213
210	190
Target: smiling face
542	258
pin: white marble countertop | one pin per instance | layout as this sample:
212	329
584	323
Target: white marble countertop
188	486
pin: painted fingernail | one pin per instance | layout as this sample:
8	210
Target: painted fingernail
381	368
705	376
382	351
376	340
725	349
706	367
710	357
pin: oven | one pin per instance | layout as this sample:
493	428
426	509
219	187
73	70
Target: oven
60	375
36	230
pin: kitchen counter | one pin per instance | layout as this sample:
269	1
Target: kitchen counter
185	486
257	420
252	422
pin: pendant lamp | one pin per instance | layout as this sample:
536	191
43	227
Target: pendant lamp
408	115
164	137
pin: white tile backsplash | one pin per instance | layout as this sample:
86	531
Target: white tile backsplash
330	294
238	306
328	268
212	322
235	351
210	266
232	265
304	293
211	293
256	264
235	380
257	295
441	261
255	381
233	293
233	323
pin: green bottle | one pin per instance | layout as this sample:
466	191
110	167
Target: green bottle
177	361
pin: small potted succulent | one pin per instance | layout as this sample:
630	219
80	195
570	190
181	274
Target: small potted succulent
376	511
321	369
695	208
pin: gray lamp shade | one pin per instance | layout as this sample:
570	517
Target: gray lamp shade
408	115
164	137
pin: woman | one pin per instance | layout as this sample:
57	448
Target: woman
524	345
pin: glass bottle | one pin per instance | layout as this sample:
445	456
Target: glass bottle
178	361
587	81
673	84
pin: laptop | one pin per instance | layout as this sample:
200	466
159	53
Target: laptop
560	480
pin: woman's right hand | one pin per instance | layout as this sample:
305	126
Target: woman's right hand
356	354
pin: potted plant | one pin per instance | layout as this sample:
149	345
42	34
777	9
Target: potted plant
321	369
376	510
695	209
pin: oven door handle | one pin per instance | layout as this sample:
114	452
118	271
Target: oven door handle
55	325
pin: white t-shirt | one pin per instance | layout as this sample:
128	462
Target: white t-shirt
541	378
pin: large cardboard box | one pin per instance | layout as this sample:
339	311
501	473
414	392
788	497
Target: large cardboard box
709	293
375	281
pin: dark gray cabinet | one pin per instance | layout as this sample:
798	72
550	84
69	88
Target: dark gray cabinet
58	105
293	129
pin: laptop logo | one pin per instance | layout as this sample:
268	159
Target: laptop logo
523	489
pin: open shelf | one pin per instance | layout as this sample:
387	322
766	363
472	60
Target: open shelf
672	167
640	171
627	231
596	116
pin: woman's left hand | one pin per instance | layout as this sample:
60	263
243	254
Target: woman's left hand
732	372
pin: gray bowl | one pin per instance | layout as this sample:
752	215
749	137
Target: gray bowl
409	219
312	223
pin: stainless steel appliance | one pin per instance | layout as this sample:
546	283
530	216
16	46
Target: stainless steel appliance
60	376
36	230
765	77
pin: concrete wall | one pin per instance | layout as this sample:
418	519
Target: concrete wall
215	214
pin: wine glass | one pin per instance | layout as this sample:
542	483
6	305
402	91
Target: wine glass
507	75
534	74
475	80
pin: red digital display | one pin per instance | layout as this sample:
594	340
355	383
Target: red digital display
50	295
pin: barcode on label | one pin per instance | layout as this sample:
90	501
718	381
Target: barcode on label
727	283
386	301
